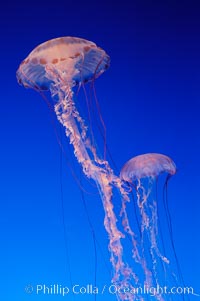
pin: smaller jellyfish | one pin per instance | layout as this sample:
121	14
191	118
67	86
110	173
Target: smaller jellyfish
142	173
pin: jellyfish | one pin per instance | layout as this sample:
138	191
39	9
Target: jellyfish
142	174
59	66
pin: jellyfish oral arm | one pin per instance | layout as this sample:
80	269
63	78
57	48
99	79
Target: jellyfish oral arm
103	177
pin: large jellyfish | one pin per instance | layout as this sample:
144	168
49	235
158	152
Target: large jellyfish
60	65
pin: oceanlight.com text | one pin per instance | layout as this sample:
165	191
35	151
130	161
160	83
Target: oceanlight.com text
89	289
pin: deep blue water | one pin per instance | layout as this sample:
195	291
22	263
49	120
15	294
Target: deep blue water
149	100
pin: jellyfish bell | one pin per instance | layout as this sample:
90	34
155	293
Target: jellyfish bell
147	165
74	60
